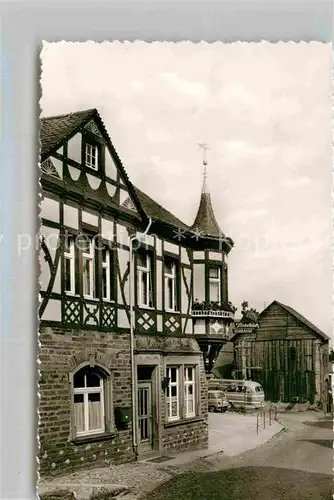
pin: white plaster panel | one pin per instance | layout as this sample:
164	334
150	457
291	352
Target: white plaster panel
57	282
111	189
184	256
92	219
159	323
150	240
74	148
74	172
170	247
159	284
122	235
107	229
199	327
58	165
52	311
93	181
216	255
51	238
44	276
158	247
189	327
199	282
122	319
71	216
199	255
111	170
50	209
123	262
123	195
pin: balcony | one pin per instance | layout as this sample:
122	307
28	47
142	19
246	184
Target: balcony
223	310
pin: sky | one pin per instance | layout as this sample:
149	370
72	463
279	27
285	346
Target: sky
265	112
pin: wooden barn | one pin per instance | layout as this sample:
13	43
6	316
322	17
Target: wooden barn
284	352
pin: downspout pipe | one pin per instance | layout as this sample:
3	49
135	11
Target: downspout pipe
137	236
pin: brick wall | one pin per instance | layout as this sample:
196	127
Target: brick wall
61	350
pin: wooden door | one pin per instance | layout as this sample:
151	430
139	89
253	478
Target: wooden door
145	415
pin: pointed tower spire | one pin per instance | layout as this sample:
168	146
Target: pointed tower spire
205	221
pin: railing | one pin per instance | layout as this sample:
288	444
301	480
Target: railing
265	417
199	313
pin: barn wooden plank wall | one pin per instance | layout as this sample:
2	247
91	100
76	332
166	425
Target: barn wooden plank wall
289	354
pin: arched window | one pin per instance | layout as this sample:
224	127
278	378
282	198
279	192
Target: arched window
89	399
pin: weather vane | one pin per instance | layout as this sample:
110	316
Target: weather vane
205	148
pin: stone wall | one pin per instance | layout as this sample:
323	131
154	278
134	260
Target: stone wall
193	433
61	351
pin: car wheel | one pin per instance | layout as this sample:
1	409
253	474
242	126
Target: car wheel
211	409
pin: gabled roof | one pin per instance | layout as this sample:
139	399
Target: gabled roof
300	318
55	129
157	212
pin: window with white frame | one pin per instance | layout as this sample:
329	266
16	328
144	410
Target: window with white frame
88	267
181	391
144	279
173	393
88	401
189	391
215	283
106	274
69	265
171	288
91	156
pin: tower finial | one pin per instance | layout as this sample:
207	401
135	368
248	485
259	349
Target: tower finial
205	148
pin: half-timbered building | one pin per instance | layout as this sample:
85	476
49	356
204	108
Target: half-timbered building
284	352
133	310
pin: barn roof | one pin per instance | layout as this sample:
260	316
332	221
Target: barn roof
293	313
301	318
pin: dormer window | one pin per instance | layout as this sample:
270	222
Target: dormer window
215	283
91	156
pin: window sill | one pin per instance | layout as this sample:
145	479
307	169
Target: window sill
183	421
92	438
171	311
149	308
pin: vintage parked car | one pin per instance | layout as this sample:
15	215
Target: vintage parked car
240	393
217	401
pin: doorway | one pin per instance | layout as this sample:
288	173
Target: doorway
145	415
145	408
